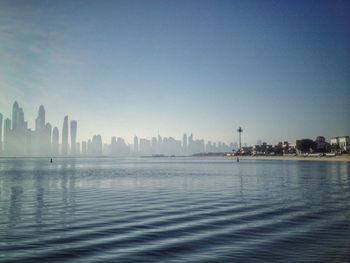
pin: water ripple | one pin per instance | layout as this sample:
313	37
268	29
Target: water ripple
180	210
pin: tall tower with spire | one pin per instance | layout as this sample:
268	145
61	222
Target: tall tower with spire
240	130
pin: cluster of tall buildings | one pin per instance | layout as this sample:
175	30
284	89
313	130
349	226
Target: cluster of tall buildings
156	146
17	139
170	146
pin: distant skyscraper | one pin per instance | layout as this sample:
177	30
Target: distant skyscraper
65	136
89	147
40	133
20	120
29	140
160	144
73	137
15	109
40	120
78	148
47	143
55	141
154	145
0	132
83	148
113	146
145	146
184	144
7	136
17	140
136	145
190	147
97	145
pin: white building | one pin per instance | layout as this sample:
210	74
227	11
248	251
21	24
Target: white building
342	141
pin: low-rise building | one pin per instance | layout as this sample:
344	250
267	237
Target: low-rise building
341	142
321	144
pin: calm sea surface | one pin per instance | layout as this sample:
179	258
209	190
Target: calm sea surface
173	210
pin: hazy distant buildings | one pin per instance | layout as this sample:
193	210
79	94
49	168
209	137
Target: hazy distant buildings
55	142
7	136
145	147
184	144
40	140
136	145
47	139
65	145
73	137
13	147
15	109
77	150
122	147
16	139
113	146
19	140
190	149
16	135
96	145
83	148
0	133
40	120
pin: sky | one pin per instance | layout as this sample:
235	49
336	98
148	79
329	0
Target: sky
279	69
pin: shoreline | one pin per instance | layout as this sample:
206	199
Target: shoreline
341	158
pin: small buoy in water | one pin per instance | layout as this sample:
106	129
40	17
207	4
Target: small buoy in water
237	159
51	160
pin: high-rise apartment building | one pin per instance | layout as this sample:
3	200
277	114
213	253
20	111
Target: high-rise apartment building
55	142
136	145
184	144
0	132
7	136
65	136
73	137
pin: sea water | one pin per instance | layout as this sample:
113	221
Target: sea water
173	210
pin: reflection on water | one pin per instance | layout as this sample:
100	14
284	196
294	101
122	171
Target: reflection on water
15	207
176	209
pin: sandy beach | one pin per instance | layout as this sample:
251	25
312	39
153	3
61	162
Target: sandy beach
341	158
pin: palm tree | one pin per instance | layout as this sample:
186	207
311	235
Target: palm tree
240	130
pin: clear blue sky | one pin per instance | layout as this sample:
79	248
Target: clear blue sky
280	69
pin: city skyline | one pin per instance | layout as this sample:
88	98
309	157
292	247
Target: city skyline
44	140
174	131
197	66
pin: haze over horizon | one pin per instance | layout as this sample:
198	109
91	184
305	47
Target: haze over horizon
279	69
